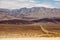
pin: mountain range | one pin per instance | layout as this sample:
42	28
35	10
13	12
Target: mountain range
34	13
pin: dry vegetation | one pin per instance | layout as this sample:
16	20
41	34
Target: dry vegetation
30	30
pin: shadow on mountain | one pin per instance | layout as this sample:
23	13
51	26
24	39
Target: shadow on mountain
16	21
53	20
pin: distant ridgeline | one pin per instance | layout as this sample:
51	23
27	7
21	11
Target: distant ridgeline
29	15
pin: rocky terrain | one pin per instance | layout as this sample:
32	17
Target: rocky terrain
31	13
30	22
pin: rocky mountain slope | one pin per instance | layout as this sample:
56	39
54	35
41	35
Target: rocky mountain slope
31	13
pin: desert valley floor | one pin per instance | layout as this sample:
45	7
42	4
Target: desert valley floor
30	30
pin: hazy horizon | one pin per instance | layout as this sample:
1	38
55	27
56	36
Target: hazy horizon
15	4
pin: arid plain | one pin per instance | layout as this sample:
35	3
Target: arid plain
30	30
